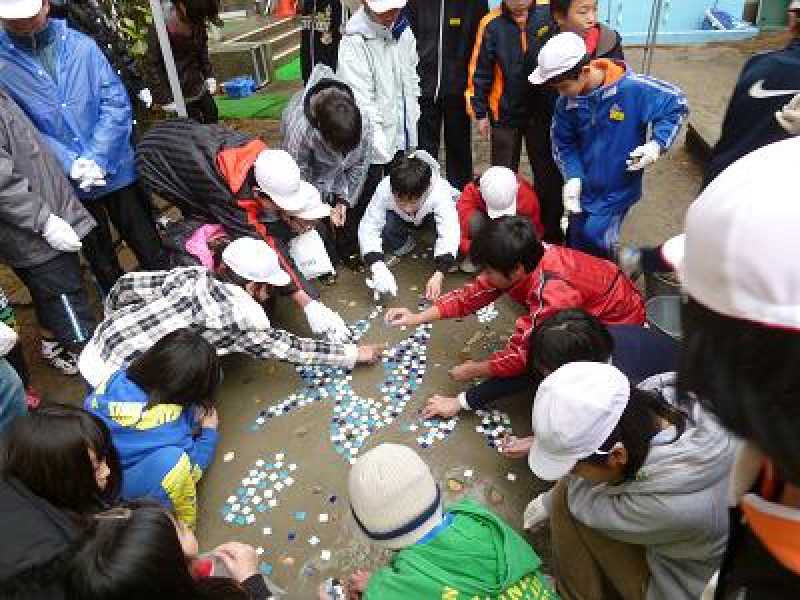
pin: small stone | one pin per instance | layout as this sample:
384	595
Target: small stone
325	555
260	550
468	473
511	476
287	561
323	518
301	431
313	540
454	485
229	456
316	490
267	531
352	303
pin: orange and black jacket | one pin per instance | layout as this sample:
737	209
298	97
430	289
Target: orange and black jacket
502	59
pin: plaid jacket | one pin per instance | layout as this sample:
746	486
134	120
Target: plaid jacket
143	307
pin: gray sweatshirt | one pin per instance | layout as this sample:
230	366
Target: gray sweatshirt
676	507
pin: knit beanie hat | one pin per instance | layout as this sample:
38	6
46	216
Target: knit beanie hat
394	497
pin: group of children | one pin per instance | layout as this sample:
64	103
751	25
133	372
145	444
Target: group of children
640	505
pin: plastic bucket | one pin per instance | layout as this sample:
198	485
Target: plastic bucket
661	284
664	313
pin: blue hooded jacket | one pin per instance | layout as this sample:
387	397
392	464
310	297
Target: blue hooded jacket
594	135
162	449
86	113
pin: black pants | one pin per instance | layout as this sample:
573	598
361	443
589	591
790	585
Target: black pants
506	148
203	110
491	390
47	283
129	210
346	238
452	112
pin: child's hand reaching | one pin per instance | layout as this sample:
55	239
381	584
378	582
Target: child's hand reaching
357	584
434	287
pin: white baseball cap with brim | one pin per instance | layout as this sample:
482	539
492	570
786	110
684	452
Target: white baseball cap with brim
278	176
255	260
575	410
742	246
499	187
562	53
382	6
794	5
313	209
19	9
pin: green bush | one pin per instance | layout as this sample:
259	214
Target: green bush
134	18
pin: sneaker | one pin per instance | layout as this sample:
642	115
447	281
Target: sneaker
406	248
467	266
59	357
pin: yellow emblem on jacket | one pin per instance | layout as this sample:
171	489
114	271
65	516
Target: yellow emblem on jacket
616	113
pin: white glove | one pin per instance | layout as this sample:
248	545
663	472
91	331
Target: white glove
535	513
170	108
382	281
644	156
80	168
60	235
789	116
211	85
8	339
572	195
146	97
323	320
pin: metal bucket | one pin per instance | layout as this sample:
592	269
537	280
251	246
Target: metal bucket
661	284
664	313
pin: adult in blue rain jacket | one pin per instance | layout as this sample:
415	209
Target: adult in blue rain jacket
160	411
65	85
600	131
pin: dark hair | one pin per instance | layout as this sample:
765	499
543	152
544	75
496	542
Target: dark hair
636	428
338	118
505	243
410	176
134	552
573	74
47	450
571	335
201	12
746	374
560	6
180	368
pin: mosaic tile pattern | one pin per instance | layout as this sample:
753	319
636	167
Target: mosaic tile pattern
487	314
259	490
495	425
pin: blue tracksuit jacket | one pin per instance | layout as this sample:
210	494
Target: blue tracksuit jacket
594	135
161	451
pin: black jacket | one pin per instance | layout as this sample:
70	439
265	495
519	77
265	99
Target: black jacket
445	32
35	544
503	58
767	82
191	61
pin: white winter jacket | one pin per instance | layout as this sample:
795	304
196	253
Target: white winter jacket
382	72
439	200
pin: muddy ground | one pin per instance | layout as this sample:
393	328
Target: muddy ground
706	73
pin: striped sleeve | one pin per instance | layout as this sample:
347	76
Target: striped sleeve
664	106
480	72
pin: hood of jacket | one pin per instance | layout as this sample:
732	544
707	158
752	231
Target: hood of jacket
361	24
321	78
702	456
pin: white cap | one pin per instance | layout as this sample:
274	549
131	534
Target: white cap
19	9
254	260
794	5
313	209
562	53
672	251
382	6
499	187
278	176
575	410
394	497
742	245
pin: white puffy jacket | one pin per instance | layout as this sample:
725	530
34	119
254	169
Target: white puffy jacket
440	200
382	72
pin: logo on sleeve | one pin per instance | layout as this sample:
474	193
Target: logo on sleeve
758	91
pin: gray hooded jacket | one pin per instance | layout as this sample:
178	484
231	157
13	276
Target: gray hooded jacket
676	508
32	187
325	169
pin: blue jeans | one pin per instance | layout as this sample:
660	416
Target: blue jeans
396	231
595	234
12	395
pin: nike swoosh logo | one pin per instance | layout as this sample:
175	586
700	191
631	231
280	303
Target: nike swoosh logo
757	91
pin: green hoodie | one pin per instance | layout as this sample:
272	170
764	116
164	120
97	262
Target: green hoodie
477	557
